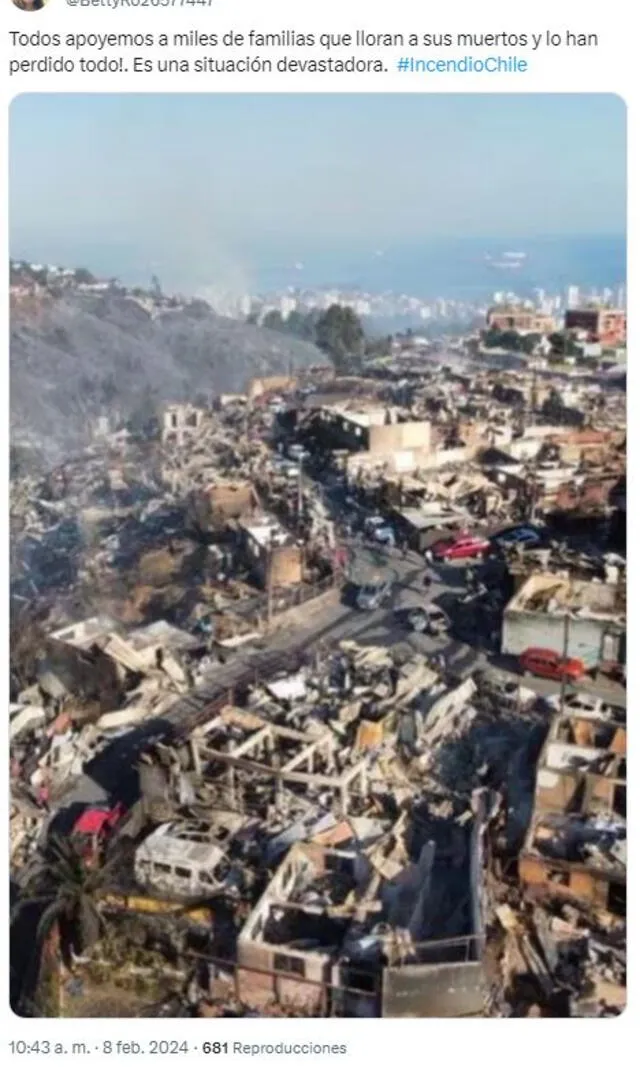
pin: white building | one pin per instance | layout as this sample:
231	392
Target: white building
287	305
573	296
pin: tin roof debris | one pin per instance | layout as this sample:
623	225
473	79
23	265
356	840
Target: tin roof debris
317	815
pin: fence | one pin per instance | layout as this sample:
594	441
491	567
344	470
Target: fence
433	991
330	994
294	596
465	949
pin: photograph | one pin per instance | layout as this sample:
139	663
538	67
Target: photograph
317	555
29	5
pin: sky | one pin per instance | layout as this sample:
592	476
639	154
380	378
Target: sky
211	190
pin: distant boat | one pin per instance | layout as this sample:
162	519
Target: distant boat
506	261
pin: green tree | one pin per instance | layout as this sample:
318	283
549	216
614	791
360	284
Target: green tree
300	325
493	337
64	891
339	333
273	321
84	276
562	345
531	342
511	340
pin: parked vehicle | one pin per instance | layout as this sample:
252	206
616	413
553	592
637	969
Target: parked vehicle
517	535
428	619
583	705
615	672
379	530
503	690
297	453
460	546
384	535
185	860
286	467
373	595
546	663
94	827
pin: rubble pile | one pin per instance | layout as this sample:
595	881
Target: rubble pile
273	797
364	763
123	530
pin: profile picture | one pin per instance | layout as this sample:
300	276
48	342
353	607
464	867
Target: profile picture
29	5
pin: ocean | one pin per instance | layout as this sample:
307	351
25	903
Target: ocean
463	269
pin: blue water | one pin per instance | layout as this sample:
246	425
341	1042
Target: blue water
456	269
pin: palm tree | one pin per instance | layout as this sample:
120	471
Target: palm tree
63	889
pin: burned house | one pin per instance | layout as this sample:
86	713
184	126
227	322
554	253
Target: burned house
576	845
77	664
585	620
271	553
180	423
211	508
421	526
258	388
237	750
377	434
349	927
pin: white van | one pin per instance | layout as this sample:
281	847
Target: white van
183	860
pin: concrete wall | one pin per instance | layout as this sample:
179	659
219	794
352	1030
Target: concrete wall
180	422
299	614
210	507
257	960
285	561
286	565
336	430
433	991
554	791
401	462
442	714
400	435
563	880
444	456
258	986
276	384
404	461
88	675
527	629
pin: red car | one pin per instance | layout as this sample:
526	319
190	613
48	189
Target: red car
549	664
94	827
460	546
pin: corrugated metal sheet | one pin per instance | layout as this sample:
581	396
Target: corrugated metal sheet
433	991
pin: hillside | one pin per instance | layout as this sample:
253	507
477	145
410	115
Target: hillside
81	354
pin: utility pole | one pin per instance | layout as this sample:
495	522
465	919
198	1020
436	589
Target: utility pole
299	501
269	583
534	499
533	404
565	655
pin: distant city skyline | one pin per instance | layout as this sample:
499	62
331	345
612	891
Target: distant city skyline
245	192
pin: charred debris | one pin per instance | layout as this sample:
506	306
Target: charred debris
261	814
